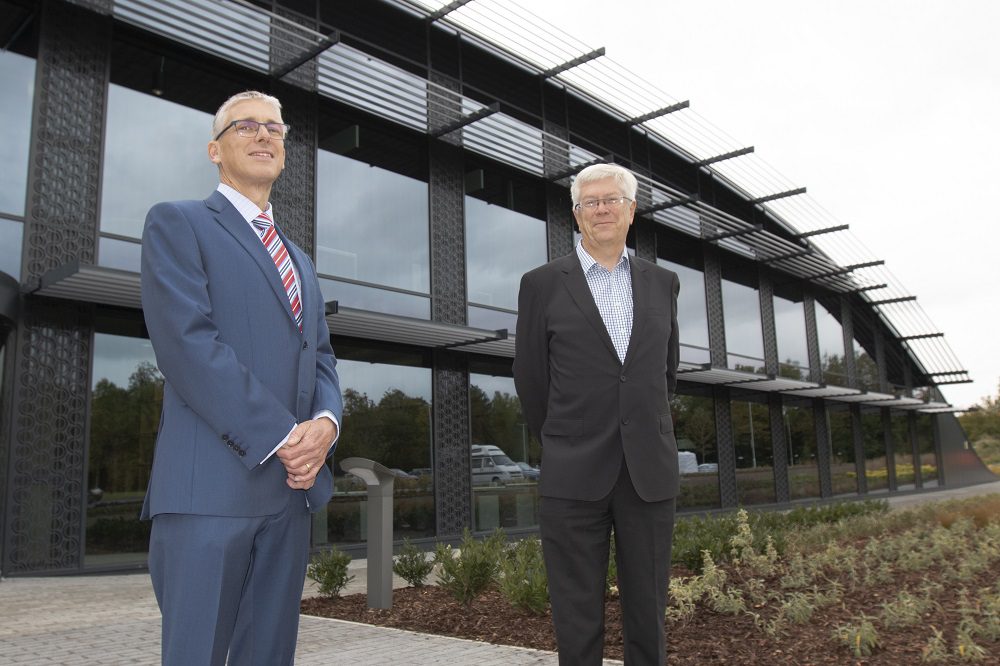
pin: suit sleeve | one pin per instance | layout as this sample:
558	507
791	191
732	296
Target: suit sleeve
204	371
531	356
673	343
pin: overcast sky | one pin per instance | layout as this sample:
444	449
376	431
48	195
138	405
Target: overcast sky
886	110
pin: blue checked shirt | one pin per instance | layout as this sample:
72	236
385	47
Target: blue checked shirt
612	292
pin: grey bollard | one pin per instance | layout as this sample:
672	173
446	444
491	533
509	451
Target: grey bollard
380	482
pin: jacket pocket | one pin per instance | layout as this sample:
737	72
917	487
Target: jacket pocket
666	423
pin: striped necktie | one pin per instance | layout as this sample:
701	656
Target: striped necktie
282	261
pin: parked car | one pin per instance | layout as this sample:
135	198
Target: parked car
492	467
530	473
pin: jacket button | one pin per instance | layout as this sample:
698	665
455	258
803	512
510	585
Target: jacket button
242	453
625	421
305	344
622	378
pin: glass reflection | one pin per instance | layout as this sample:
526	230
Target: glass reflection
843	475
831	346
11	240
744	337
17	79
387	418
692	318
925	444
356	203
694	427
362	297
803	471
154	150
501	245
502	496
790	328
754	454
876	469
903	452
127	394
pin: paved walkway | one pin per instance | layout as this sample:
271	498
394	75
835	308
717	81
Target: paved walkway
114	620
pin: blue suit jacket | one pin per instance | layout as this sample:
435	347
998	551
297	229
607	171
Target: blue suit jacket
239	374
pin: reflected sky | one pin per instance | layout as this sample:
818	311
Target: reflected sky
831	333
17	79
741	307
117	356
790	326
356	204
374	379
11	238
490	384
692	319
154	150
501	245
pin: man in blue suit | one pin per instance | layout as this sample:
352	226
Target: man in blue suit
251	404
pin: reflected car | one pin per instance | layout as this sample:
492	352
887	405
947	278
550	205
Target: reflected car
400	474
530	473
421	471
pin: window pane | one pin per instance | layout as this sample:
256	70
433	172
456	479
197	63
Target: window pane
11	240
790	326
692	318
803	472
154	151
503	493
115	253
387	418
501	245
127	395
694	426
876	473
843	475
925	442
17	79
903	452
375	299
831	346
754	455
744	339
356	203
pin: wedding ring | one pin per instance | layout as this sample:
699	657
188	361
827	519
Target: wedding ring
308	467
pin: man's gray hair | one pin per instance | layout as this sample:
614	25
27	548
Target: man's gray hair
219	123
623	178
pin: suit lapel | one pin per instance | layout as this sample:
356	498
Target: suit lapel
576	284
233	222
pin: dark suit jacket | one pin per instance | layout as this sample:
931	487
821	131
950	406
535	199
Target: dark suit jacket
239	374
589	410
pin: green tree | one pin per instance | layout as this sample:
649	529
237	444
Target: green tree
982	421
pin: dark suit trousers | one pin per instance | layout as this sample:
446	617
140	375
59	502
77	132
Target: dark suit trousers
230	585
575	541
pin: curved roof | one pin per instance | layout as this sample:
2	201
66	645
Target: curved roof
814	246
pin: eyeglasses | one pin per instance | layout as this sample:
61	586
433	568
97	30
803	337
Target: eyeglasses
612	203
249	129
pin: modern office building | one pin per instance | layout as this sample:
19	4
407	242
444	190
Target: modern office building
429	161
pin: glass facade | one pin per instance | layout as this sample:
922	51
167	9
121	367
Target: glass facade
903	452
790	329
154	150
11	242
496	420
694	428
692	317
925	444
17	79
754	454
356	203
831	346
744	336
500	246
803	471
873	434
387	418
125	402
843	475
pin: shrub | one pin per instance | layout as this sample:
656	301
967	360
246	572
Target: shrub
470	572
329	570
861	638
523	581
412	564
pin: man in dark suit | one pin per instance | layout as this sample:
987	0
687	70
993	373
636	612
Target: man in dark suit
595	364
251	405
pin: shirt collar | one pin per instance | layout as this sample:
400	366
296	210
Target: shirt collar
246	208
587	262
